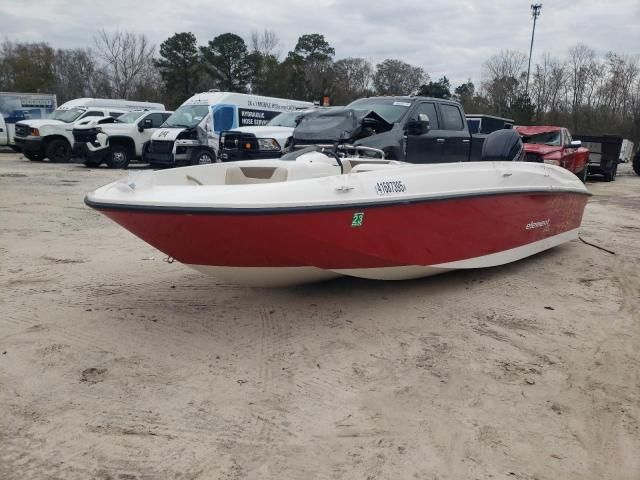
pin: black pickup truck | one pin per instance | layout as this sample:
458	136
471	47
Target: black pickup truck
411	129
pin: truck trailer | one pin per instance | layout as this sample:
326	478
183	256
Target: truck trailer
17	107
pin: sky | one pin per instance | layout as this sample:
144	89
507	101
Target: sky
451	38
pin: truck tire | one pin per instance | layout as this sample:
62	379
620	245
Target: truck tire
118	156
636	164
203	157
582	174
58	151
610	174
91	163
33	156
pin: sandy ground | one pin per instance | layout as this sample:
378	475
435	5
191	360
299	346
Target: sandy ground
117	365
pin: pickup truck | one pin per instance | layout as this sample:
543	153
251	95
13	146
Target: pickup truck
407	128
605	153
262	141
554	145
258	142
52	138
118	140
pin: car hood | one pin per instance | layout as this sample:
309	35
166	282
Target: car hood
540	149
106	127
266	131
41	123
168	134
335	125
527	131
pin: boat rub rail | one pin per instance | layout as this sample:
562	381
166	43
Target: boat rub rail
308	208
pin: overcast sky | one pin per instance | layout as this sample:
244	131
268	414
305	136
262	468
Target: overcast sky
450	38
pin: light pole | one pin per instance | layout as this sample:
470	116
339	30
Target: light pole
535	13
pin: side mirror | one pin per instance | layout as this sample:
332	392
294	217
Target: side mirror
420	126
146	123
576	144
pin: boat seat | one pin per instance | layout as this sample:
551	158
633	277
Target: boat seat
247	175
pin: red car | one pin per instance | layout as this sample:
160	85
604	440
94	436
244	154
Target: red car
554	145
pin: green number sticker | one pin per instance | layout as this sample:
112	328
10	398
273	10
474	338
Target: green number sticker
357	219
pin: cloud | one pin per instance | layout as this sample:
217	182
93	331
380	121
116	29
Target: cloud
443	37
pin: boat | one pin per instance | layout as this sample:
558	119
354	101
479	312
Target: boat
317	217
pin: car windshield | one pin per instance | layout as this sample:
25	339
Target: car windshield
69	116
545	138
130	117
286	119
57	114
389	109
187	116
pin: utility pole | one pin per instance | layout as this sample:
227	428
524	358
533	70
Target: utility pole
535	13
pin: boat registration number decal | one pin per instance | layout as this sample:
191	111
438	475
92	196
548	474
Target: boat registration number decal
392	186
357	219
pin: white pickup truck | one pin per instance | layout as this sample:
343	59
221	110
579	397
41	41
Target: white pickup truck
117	141
52	138
262	141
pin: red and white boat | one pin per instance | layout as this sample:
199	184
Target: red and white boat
280	222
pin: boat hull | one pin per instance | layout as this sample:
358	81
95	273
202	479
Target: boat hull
393	240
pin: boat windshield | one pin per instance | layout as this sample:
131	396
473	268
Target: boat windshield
130	117
286	119
546	138
69	116
187	116
388	108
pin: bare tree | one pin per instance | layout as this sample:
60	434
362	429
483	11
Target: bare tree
395	77
127	58
266	43
26	67
77	73
549	85
352	79
581	66
504	78
558	83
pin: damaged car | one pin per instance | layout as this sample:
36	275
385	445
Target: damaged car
407	128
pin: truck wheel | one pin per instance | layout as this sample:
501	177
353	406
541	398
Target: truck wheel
610	175
636	165
58	151
118	157
33	156
202	157
91	163
582	174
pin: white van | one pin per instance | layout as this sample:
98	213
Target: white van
18	107
191	134
53	138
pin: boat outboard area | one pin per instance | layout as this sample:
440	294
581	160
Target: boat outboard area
318	215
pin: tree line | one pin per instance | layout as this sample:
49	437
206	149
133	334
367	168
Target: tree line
585	92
